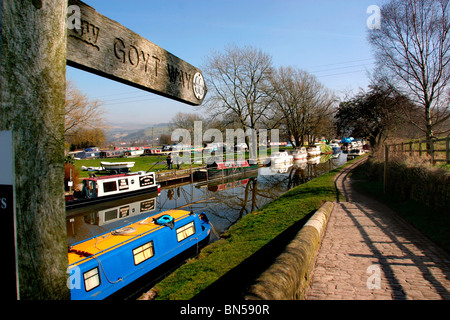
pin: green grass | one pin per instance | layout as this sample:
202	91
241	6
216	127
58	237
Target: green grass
249	236
444	166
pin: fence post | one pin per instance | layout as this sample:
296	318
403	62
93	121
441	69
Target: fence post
386	160
447	149
432	151
420	148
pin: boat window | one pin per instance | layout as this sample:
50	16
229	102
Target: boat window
91	279
147	205
124	211
110	215
110	186
185	231
143	253
146	180
123	184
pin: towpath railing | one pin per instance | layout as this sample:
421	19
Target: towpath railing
436	149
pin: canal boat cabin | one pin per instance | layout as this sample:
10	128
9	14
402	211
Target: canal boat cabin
105	188
314	151
281	158
104	264
300	154
353	153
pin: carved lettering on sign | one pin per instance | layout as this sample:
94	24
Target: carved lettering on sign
134	56
119	47
179	76
156	64
88	33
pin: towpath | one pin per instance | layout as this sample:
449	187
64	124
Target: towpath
369	253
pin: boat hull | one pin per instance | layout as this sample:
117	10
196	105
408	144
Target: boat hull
281	158
214	173
79	203
300	156
355	153
281	161
117	165
314	153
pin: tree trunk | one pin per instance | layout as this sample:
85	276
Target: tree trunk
32	84
429	126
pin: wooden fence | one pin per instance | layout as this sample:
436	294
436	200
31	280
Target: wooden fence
437	149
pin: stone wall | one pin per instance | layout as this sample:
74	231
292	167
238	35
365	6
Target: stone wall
288	277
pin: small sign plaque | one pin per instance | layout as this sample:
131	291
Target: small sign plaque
7	212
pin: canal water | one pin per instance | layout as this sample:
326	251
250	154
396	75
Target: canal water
225	201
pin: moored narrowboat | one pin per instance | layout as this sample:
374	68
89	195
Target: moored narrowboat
226	168
355	153
300	154
105	264
336	148
281	158
99	189
314	151
117	167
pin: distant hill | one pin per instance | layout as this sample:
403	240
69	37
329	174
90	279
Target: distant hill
130	134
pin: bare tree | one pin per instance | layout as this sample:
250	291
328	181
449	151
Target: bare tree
305	105
239	79
80	112
413	52
183	120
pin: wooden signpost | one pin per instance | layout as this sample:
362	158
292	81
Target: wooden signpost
32	92
106	48
37	42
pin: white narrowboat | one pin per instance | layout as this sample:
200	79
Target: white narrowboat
100	189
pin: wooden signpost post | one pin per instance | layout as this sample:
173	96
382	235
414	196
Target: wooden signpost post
38	38
106	48
32	93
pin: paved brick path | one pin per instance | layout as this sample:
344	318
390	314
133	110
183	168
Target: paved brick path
368	253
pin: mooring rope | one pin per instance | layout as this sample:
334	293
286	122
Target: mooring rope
103	270
214	230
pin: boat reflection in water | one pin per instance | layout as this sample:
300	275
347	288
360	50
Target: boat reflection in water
90	221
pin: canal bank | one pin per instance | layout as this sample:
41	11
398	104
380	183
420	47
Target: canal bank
227	267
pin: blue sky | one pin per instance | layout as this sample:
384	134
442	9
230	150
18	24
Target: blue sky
325	37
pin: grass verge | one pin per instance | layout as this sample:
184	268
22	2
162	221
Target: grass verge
227	266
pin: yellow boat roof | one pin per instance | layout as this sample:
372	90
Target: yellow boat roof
108	241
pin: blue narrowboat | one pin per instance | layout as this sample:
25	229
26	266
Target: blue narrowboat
104	264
